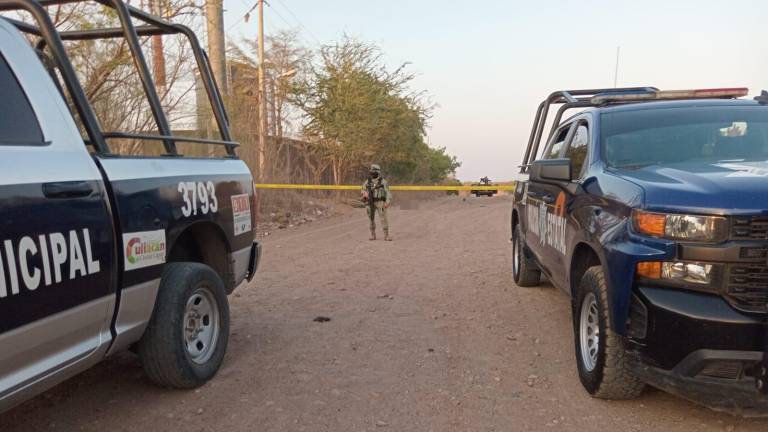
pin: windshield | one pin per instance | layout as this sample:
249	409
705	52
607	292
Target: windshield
678	135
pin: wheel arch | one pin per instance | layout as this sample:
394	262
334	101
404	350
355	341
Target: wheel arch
515	219
583	257
205	243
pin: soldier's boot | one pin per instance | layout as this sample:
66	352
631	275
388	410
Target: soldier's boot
373	234
386	236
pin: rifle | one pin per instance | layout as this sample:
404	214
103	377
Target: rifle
371	199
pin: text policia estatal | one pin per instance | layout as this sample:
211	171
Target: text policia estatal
62	255
548	226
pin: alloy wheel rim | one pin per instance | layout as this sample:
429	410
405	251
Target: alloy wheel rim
589	332
201	325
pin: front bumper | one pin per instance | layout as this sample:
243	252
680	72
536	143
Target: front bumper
253	260
697	346
733	396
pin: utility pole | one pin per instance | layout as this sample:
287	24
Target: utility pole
214	17
158	57
155	7
262	97
278	99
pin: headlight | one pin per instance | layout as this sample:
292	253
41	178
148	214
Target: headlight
697	275
680	226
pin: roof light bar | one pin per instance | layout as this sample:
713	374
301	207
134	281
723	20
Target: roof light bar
669	95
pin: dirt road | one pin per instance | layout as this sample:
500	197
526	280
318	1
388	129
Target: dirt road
427	333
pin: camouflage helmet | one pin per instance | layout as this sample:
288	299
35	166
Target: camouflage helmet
375	168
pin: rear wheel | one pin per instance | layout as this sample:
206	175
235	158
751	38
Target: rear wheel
525	271
601	354
186	339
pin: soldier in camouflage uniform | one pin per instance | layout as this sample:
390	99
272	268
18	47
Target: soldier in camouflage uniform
381	200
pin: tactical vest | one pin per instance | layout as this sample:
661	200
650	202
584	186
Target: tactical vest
379	193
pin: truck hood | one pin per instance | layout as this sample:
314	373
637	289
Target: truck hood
724	187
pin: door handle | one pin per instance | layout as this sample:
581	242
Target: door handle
546	198
68	189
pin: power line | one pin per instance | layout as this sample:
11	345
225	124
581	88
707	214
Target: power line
301	24
246	16
300	33
279	16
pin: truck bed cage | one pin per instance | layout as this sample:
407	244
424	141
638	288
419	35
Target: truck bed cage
567	99
152	25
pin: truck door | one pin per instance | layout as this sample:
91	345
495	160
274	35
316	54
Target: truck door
56	236
545	211
576	149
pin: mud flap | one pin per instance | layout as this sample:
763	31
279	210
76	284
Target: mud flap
254	260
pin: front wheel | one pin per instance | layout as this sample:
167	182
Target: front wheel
601	354
186	339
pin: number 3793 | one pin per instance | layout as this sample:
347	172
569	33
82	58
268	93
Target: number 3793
198	196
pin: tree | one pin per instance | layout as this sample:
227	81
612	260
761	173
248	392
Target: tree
109	78
357	112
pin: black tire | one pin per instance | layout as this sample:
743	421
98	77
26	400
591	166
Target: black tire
188	292
525	271
606	374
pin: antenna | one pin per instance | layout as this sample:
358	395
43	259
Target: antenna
616	71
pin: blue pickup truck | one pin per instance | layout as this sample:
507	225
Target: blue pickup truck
650	210
101	252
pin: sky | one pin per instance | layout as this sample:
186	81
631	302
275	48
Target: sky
488	64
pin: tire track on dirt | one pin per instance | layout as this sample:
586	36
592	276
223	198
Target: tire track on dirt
452	349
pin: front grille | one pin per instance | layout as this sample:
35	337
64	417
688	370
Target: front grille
747	287
753	252
749	228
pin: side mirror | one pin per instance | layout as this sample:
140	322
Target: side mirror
551	170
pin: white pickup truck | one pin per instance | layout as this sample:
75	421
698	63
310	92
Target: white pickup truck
101	252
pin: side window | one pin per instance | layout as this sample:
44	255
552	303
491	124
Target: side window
18	123
558	142
577	151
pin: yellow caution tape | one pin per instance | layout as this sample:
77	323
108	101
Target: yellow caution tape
453	188
305	186
394	188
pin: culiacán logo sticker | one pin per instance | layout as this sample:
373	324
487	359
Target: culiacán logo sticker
144	249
